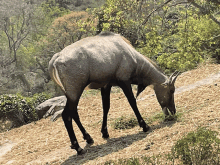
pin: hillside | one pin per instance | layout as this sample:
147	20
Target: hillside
46	142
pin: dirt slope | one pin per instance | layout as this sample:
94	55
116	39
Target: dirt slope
45	142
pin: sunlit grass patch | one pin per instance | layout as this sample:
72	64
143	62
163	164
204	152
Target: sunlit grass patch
175	117
131	122
160	117
197	147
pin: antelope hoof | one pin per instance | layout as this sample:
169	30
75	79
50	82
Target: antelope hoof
81	152
105	135
89	139
169	118
146	128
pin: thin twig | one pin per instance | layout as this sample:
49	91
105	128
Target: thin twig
146	19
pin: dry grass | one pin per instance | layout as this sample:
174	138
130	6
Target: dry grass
45	142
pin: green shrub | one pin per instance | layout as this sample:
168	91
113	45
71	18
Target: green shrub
200	147
125	123
129	161
20	110
38	98
195	39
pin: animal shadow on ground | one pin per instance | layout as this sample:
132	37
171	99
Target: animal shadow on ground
113	145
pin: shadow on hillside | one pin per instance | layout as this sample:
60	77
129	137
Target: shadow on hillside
112	145
163	124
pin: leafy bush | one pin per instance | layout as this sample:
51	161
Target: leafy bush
200	147
195	39
20	110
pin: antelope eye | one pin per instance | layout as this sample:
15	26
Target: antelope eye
172	91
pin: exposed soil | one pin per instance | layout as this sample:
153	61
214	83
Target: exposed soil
197	98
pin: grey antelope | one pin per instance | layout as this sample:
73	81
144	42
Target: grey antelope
104	61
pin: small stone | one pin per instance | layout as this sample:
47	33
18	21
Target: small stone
147	147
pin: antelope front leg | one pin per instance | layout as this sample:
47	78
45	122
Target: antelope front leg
105	91
126	87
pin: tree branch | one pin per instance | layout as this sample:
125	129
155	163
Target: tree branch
214	19
41	66
47	79
149	15
178	3
203	10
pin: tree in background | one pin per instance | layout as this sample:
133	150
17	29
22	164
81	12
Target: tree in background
121	16
27	35
209	7
15	25
68	29
20	28
192	44
177	34
64	31
185	37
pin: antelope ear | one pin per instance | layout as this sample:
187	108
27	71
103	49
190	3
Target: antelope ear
141	87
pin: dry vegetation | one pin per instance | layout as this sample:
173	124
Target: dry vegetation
46	142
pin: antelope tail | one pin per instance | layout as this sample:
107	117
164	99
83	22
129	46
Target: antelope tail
57	78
